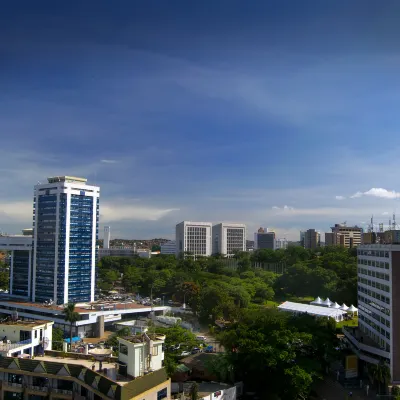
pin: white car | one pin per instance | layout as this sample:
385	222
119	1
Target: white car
185	353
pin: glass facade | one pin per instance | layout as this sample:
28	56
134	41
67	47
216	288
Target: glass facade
20	261
234	240
80	248
45	220
65	241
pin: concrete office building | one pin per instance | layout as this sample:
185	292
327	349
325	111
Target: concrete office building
377	336
194	238
168	247
107	237
352	234
281	244
264	240
228	238
312	239
20	248
334	239
66	217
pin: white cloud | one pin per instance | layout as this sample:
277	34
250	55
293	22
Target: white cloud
284	208
385	213
105	161
123	212
378	192
340	197
17	211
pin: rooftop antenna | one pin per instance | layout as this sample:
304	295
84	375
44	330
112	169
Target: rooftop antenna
394	222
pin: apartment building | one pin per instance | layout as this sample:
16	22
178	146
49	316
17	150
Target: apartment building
352	234
312	239
228	238
377	337
334	239
194	238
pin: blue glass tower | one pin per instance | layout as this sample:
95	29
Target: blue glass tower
66	217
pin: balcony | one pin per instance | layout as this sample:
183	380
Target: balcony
362	343
5	348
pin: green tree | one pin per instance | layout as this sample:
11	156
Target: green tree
71	316
58	339
194	391
381	375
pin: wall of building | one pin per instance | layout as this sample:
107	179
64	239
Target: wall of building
194	238
168	247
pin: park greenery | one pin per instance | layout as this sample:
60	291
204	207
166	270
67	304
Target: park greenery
264	348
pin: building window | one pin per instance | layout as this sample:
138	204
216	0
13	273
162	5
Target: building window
162	394
123	349
35	334
154	351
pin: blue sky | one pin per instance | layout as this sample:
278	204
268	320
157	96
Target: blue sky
211	110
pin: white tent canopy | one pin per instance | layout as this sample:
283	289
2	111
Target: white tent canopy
344	307
317	301
335	305
300	308
352	309
327	302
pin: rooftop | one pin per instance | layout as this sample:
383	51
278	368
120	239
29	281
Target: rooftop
143	338
309	309
26	324
54	179
83	308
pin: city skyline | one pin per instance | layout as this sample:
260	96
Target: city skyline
233	113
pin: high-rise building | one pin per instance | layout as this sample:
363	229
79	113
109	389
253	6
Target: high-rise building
312	239
377	337
264	240
168	247
228	238
20	248
107	237
194	238
66	217
334	239
352	234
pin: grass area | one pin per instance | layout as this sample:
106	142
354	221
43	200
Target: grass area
271	304
351	322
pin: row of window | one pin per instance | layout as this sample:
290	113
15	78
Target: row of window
374	284
373	263
370	303
372	324
374	274
374	315
373	253
373	294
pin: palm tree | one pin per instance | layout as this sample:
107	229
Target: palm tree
380	374
71	316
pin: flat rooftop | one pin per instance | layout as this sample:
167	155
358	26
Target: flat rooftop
66	178
141	338
80	308
25	324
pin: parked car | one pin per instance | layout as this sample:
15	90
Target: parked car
195	350
185	353
201	338
209	349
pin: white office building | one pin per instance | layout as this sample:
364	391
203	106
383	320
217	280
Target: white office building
194	238
168	247
377	337
228	238
66	215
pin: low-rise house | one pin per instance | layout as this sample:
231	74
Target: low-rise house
25	338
